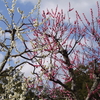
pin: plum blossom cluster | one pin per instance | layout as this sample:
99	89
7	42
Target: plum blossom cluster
17	26
16	87
59	48
10	88
13	32
10	36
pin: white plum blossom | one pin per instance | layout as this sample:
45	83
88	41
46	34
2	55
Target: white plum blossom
36	23
10	88
23	16
10	10
1	17
19	11
18	33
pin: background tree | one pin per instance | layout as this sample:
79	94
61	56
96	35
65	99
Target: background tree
59	48
82	79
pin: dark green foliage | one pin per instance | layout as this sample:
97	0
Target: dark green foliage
31	95
82	81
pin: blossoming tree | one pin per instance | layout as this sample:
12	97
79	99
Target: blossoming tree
58	51
60	48
12	40
13	33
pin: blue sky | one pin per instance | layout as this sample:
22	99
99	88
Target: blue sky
26	5
82	6
79	5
